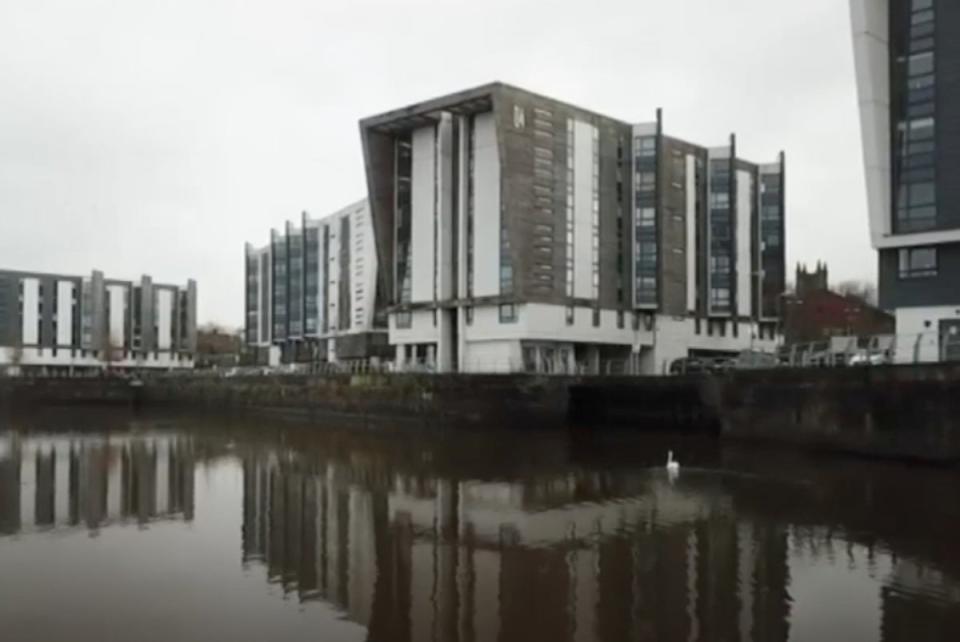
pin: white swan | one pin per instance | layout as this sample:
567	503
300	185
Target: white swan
672	466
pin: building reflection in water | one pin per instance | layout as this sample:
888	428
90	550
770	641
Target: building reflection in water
583	557
94	481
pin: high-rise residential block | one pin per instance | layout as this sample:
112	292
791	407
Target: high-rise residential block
908	73
519	233
311	293
61	323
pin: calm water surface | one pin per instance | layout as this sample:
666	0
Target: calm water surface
198	529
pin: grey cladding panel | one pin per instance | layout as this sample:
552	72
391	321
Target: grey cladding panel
9	310
943	289
948	112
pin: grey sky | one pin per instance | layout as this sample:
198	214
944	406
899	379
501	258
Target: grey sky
158	137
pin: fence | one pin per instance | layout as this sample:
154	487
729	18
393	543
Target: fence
923	347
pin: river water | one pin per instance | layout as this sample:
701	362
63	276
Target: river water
192	528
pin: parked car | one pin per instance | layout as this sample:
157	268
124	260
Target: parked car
755	360
864	358
688	365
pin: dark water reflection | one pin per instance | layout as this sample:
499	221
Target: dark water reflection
193	529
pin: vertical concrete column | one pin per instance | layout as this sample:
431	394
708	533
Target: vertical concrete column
446	244
98	311
463	177
147	318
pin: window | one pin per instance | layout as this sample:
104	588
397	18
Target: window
570	314
508	313
647	146
918	262
596	317
920	64
404	320
468	312
519	117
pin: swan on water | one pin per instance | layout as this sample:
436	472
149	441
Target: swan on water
672	466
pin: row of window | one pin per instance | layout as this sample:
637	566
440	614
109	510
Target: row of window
570	212
595	217
918	262
646	257
721	237
916	207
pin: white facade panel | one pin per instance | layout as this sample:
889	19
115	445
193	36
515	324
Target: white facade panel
918	332
421	330
744	264
115	323
870	22
364	258
583	209
691	225
30	333
321	281
423	235
64	313
332	285
163	318
486	209
266	312
493	356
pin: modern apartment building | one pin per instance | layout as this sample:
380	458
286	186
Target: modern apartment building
519	233
311	293
908	72
61	323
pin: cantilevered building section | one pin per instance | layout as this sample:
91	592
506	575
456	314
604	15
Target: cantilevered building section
62	324
311	293
908	74
519	233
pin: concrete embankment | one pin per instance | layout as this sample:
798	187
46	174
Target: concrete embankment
41	392
909	412
902	412
503	401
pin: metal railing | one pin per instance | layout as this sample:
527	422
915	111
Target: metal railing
874	350
844	351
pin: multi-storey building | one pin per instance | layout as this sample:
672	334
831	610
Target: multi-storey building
907	59
519	233
72	323
311	293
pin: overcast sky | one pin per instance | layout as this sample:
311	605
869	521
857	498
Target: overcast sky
157	137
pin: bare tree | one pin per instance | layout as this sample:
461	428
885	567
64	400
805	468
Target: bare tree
862	290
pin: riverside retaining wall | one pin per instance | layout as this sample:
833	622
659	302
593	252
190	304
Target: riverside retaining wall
907	412
502	401
903	412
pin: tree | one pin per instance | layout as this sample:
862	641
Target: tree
861	290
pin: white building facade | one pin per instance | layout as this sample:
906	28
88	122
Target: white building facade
520	234
311	293
71	324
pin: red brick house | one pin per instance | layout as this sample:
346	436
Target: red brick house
815	313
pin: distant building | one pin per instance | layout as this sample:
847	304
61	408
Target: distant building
907	56
815	313
520	233
311	293
59	323
218	348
